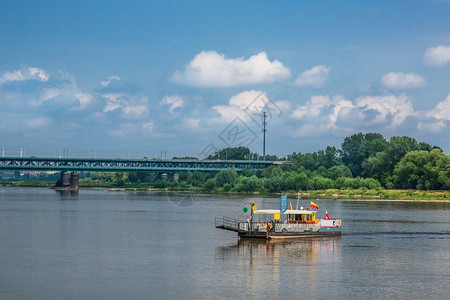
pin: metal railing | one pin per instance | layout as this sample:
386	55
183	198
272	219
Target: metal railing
231	224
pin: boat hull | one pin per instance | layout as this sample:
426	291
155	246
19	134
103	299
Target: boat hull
289	235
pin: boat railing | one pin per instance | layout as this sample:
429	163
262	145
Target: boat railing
231	224
330	223
296	227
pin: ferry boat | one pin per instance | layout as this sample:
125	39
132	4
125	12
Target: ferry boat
274	224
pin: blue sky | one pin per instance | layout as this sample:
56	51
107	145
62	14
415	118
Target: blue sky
133	78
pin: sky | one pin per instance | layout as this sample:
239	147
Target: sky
133	79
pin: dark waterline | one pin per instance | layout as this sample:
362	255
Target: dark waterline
103	245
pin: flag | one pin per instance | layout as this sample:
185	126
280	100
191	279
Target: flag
327	217
313	205
283	203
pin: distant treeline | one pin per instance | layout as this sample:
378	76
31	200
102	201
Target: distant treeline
365	161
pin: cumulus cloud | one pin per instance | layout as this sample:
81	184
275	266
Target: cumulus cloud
174	102
324	114
342	108
230	112
12	76
437	56
108	80
248	105
432	126
148	126
39	73
314	77
252	101
85	99
402	80
30	73
312	108
211	69
321	113
384	109
441	111
131	107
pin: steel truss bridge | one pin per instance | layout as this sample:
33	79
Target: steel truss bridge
127	165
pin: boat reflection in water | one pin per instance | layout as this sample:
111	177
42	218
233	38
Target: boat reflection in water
306	249
281	263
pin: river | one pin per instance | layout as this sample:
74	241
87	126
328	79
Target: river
124	245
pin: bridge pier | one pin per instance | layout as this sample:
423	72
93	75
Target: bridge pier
67	181
175	177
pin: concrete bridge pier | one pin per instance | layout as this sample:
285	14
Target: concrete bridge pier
68	181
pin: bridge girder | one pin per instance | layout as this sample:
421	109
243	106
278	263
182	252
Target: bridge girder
127	165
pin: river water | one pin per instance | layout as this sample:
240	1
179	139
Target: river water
115	245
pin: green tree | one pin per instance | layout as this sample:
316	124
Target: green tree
226	176
420	169
248	184
236	153
359	147
339	171
328	158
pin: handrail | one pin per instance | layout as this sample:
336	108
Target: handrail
228	223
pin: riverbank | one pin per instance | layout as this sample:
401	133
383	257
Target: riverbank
354	194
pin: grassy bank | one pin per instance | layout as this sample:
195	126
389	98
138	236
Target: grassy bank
375	194
382	194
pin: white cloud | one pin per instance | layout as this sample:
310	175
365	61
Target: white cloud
402	80
386	109
441	111
229	112
40	73
174	101
130	107
249	105
50	93
432	126
312	108
322	114
135	111
252	101
283	105
211	69
342	107
437	56
25	74
12	76
85	99
314	77
148	126
108	80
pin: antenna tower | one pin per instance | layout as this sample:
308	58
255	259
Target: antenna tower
264	130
